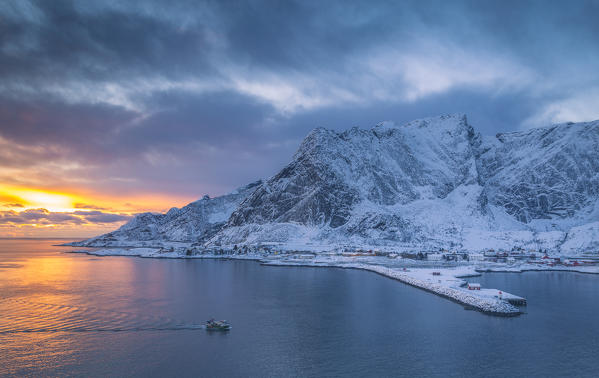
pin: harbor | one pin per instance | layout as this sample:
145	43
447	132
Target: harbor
448	283
444	273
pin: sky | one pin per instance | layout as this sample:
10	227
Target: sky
111	108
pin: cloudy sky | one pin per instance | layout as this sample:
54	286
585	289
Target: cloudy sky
108	108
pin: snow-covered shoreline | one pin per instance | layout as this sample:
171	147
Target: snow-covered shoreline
442	279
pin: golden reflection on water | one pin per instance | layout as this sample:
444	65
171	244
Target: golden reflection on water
54	305
47	291
26	351
49	279
45	296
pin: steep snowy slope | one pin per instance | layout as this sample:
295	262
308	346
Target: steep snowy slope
379	186
193	223
387	165
544	174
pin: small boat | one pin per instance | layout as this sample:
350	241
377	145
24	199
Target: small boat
217	325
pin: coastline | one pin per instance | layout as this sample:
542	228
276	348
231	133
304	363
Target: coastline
446	282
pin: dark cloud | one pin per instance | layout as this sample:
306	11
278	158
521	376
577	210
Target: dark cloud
63	42
303	34
46	217
210	118
80	205
50	130
101	217
38	216
199	97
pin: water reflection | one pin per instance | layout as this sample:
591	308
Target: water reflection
26	316
71	314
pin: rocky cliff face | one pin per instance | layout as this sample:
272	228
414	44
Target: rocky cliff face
362	185
543	174
429	183
332	173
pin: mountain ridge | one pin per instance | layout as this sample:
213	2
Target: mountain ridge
429	183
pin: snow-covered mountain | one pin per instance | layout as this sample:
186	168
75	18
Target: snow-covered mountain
430	183
193	223
362	186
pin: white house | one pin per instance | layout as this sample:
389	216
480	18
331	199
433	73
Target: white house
434	256
476	257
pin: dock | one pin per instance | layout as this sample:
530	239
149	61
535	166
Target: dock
442	282
514	299
507	297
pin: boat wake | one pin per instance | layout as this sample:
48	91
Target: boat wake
20	315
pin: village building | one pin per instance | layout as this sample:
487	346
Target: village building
476	257
434	256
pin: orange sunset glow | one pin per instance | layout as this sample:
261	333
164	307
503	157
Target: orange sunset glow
36	212
34	198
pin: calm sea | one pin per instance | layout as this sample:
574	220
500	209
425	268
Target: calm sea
71	314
